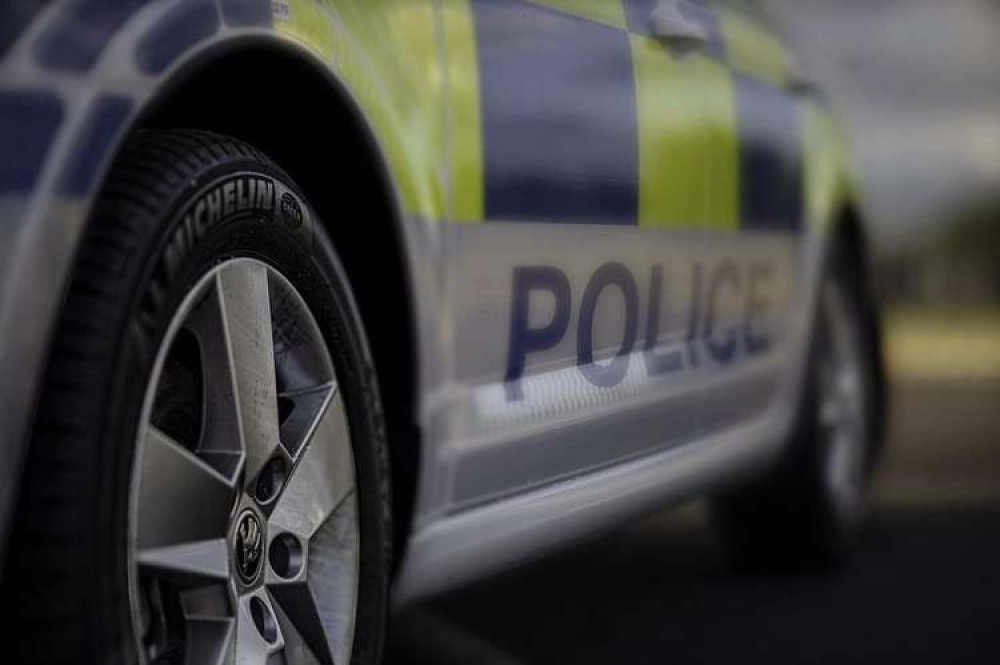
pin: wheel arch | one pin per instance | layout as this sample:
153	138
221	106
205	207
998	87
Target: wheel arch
307	122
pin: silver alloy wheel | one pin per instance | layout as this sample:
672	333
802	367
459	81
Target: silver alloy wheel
842	406
243	538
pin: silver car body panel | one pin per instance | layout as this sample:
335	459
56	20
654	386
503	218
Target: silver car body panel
490	500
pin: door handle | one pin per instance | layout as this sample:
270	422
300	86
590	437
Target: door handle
673	23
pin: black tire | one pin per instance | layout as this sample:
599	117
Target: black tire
66	583
792	518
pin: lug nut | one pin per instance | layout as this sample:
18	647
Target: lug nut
285	556
263	618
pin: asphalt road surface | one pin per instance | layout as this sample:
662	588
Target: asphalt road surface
923	588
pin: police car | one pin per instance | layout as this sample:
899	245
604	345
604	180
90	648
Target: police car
312	308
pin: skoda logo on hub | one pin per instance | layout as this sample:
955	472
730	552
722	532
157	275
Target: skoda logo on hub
248	546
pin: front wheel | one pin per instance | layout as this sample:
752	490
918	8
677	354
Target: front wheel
809	509
208	481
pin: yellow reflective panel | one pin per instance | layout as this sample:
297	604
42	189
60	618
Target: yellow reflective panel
673	161
608	12
751	49
463	114
307	22
722	127
387	54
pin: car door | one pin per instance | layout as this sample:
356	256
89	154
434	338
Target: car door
756	291
581	187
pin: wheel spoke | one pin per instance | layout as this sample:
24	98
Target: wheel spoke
322	610
333	576
181	498
247	314
210	624
299	649
323	476
207	558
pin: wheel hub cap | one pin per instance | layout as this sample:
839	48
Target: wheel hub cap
248	546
